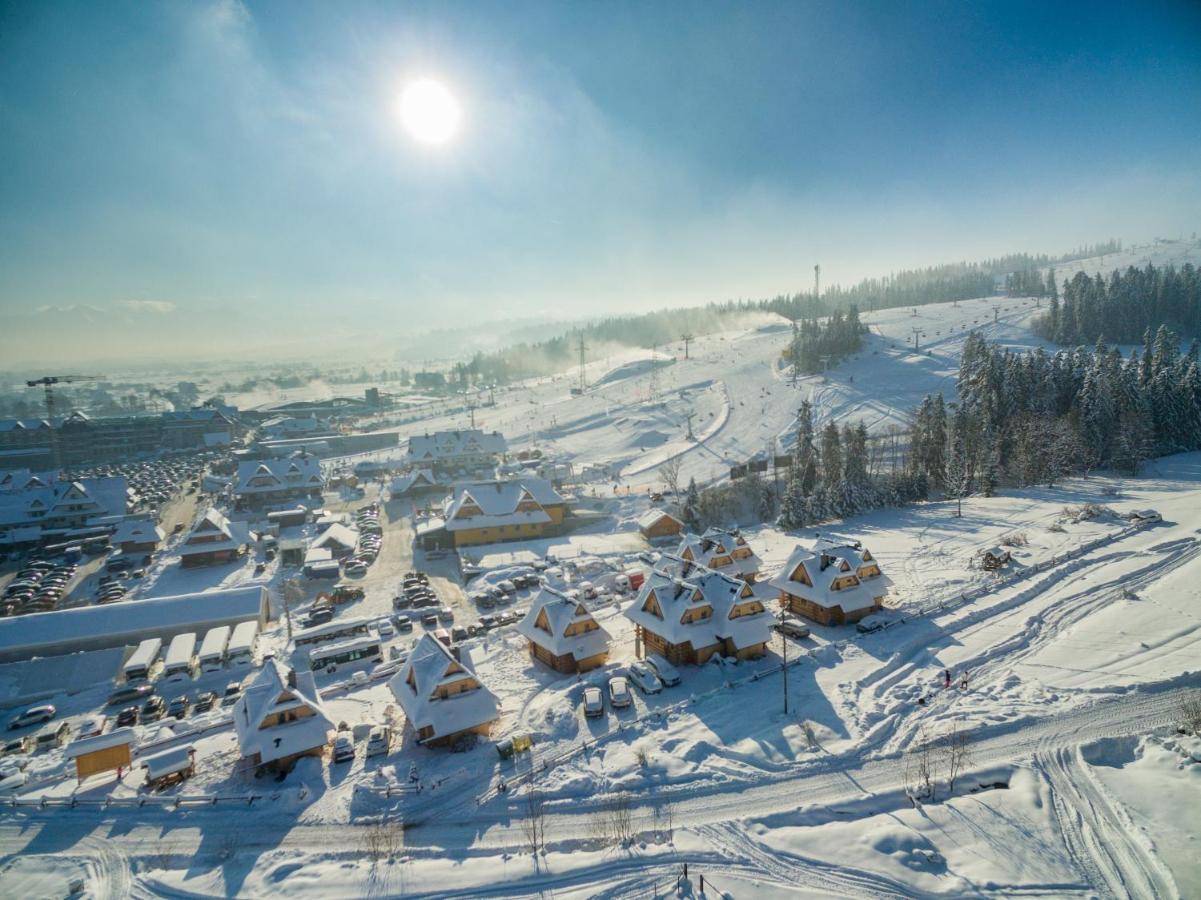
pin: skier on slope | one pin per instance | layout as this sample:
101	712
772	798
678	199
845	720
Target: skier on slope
946	674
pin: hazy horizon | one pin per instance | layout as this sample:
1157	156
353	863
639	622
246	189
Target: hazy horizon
216	179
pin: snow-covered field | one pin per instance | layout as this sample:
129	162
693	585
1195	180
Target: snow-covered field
1068	670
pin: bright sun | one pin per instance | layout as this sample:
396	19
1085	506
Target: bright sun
429	111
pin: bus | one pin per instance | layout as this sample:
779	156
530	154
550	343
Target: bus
334	631
180	663
328	657
212	649
138	666
241	646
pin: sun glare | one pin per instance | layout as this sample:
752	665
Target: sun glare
429	112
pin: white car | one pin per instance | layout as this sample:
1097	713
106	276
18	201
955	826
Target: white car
792	628
385	628
668	674
594	702
356	568
92	726
343	747
35	715
446	614
619	692
379	741
646	679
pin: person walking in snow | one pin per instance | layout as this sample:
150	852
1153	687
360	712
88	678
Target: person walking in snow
963	682
946	674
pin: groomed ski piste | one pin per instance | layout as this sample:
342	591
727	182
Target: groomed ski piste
1068	670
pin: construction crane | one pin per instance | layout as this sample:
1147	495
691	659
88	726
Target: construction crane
50	381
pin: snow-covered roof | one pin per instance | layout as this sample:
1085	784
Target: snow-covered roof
168	762
213	532
551	614
279	690
337	534
45	504
416	687
418	478
653	516
830	578
137	531
447	446
483	504
684	603
115	738
114	624
722	549
262	476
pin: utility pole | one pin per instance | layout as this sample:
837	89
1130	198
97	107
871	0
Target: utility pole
686	338
917	334
996	312
792	351
784	673
690	416
583	347
817	284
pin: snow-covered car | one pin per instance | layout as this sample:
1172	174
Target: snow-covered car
379	741
92	726
874	622
792	628
12	782
233	690
668	674
403	622
646	679
179	706
385	628
594	702
356	568
205	701
507	587
446	614
35	715
343	747
619	692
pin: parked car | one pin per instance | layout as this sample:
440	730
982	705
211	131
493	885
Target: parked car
507	587
179	706
343	747
379	741
458	633
792	628
127	716
488	622
232	691
204	701
646	679
619	692
874	622
317	617
594	702
403	622
54	736
35	715
129	693
446	614
430	620
668	674
355	568
91	726
153	709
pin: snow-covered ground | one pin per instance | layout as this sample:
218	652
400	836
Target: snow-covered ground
1076	657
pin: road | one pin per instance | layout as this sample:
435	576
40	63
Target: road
1116	863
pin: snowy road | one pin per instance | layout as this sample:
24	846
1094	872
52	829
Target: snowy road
1110	858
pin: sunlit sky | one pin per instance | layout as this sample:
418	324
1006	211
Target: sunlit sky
203	159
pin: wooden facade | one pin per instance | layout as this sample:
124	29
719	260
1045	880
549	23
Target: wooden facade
825	615
107	759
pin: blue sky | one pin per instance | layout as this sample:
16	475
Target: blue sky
204	159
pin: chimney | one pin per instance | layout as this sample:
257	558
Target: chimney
291	678
825	561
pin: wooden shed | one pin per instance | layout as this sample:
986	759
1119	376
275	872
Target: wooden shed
102	752
656	524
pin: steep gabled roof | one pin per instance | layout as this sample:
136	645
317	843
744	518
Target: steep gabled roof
429	666
446	446
677	591
825	566
279	689
558	612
